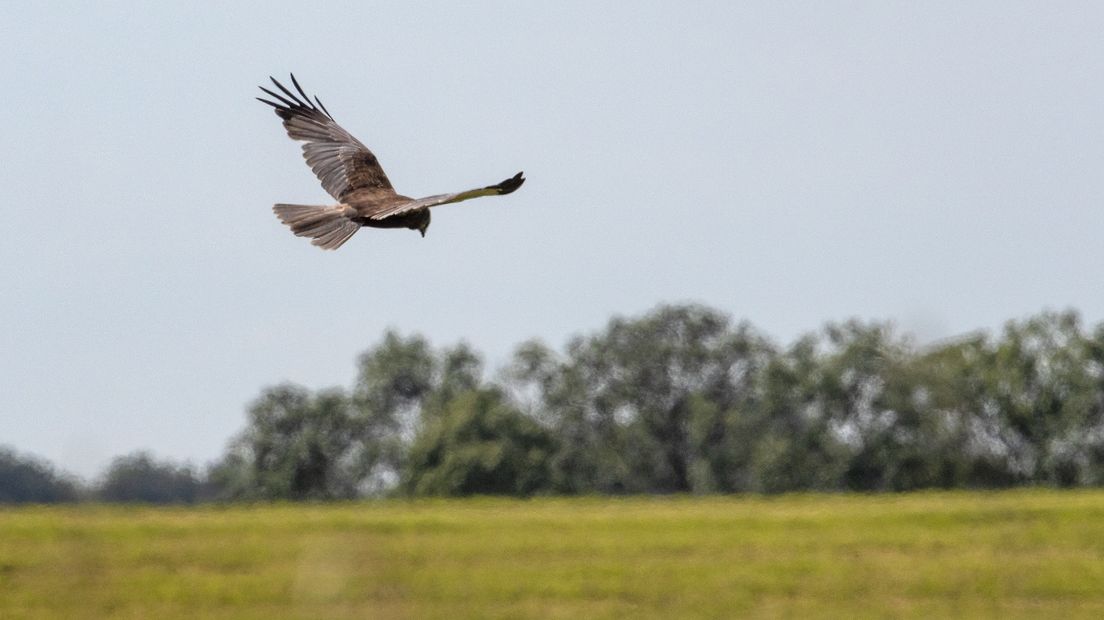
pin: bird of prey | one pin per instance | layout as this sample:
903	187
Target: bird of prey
351	174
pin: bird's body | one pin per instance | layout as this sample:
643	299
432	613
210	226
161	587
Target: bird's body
353	176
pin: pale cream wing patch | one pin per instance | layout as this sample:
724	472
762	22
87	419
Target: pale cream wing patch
432	201
505	187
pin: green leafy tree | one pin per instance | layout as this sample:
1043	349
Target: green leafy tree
792	442
459	369
682	400
656	365
324	445
1042	399
139	477
1088	451
648	404
26	479
562	393
479	445
394	380
297	445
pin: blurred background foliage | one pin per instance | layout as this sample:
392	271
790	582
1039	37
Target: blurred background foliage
679	400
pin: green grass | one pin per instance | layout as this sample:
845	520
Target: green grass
1016	554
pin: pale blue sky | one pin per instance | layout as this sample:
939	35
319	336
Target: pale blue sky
937	164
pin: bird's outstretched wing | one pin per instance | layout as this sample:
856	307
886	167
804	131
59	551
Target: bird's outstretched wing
504	187
338	159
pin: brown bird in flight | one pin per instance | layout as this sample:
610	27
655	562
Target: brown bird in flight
353	176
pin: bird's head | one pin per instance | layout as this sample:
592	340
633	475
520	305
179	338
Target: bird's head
423	225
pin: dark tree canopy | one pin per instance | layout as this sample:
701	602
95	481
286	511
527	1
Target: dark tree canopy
678	400
139	477
25	479
479	445
298	445
682	400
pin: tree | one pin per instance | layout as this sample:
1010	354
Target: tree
561	394
25	479
459	370
683	400
297	445
648	405
394	380
1042	403
792	443
876	391
138	477
479	445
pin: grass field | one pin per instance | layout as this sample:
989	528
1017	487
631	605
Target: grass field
1016	554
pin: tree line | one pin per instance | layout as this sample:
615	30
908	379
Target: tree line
679	400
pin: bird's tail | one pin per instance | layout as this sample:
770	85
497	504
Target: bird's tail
327	226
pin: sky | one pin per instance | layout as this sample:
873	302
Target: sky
939	165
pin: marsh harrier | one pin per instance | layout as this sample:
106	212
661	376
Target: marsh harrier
353	176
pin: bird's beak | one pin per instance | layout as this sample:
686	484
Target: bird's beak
422	230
